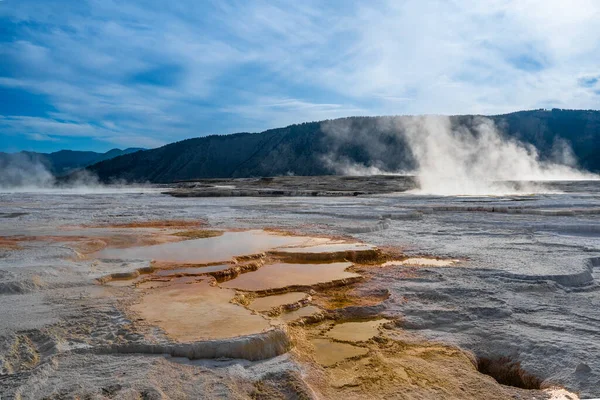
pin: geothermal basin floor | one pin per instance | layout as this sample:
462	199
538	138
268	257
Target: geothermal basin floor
303	314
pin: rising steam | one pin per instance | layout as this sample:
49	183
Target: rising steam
19	170
452	159
22	172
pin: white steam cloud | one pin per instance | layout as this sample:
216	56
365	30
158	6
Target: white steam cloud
456	159
18	170
25	174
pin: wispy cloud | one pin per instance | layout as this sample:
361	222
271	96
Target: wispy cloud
286	111
147	72
41	138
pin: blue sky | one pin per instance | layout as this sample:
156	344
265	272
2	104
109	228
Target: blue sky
99	74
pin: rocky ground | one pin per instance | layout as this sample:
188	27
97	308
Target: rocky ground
293	186
133	298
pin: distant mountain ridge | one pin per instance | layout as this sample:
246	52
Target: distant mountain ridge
304	149
61	162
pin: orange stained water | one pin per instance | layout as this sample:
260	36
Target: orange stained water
198	311
214	249
268	302
355	331
192	270
282	275
296	314
328	352
327	248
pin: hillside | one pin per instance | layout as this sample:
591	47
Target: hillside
318	149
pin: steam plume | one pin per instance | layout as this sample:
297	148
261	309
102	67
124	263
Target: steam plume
453	159
22	172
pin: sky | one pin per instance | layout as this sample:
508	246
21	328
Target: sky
100	74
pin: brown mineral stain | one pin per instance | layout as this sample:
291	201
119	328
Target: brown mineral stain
197	311
198	234
281	275
269	302
328	352
8	243
328	248
294	315
192	270
356	331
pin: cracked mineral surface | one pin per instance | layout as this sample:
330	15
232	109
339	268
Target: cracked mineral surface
125	295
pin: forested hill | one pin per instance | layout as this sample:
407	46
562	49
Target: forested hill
309	148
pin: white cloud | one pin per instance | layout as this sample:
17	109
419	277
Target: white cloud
38	137
286	111
135	141
44	126
253	65
452	57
